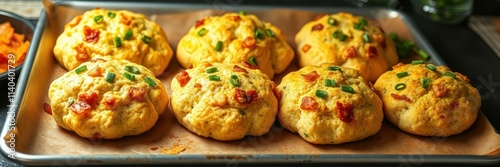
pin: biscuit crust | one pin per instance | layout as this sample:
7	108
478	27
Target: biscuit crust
319	41
220	110
339	116
448	106
241	37
93	34
95	108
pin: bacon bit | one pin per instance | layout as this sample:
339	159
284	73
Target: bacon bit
89	97
109	101
197	86
96	137
91	35
380	39
275	91
310	77
317	27
81	53
249	42
183	78
345	112
308	103
248	65
136	94
80	108
372	51
125	20
154	148
199	23
306	48
463	77
439	90
317	17
47	108
399	97
247	97
190	66
234	18
206	64
237	68
75	21
454	105
351	52
398	65
95	72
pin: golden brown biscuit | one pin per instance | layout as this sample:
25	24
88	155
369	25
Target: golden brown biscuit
428	100
115	35
240	38
329	104
224	101
348	41
107	99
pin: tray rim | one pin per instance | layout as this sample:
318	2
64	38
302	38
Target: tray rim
35	159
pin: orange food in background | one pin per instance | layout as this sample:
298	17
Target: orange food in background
11	43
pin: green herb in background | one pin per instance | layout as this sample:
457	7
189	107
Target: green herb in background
406	48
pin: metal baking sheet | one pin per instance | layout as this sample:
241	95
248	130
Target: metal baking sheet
39	141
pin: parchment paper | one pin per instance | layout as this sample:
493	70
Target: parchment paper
39	134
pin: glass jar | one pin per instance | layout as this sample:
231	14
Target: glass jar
444	11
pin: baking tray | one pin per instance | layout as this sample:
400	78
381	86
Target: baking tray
39	141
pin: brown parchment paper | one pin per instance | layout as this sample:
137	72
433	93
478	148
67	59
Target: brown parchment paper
39	134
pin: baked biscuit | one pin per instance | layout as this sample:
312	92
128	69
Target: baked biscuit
236	38
348	41
329	104
428	100
224	101
116	35
107	99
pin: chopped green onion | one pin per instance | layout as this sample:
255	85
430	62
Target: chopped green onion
214	78
423	54
431	67
150	81
202	32
362	22
366	37
337	34
400	86
347	89
270	33
417	62
110	77
128	35
146	39
321	93
332	21
450	74
334	68
330	83
81	69
132	69
259	34
211	70
358	26
98	18
402	74
253	61
342	37
242	12
218	47
118	42
426	82
235	81
111	14
70	101
393	36
129	76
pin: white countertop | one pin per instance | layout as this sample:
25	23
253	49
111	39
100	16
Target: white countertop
25	8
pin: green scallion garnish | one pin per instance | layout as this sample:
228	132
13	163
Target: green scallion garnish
400	86
259	34
132	69
98	18
321	93
242	12
81	69
128	35
366	37
235	81
426	82
343	37
423	54
270	33
70	101
146	39
211	70
363	22
431	67
417	62
358	26
402	74
334	68
214	78
118	41
337	34
150	81
332	21
129	76
330	83
347	89
253	61
202	32
450	74
218	46
110	77
111	14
